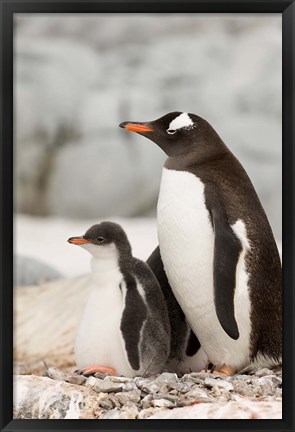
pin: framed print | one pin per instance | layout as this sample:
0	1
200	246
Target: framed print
158	137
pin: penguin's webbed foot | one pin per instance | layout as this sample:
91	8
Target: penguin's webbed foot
91	370
223	371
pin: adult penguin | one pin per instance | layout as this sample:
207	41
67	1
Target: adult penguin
216	244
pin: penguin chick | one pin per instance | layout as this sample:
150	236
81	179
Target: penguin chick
124	328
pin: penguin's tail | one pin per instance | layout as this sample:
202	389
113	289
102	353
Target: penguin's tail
261	361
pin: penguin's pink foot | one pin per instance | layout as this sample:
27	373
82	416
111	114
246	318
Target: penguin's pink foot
91	370
223	371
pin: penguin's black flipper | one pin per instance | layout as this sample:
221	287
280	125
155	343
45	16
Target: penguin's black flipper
133	318
227	249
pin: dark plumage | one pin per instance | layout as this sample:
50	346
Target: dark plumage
183	340
194	147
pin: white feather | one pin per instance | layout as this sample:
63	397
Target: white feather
99	340
183	120
186	240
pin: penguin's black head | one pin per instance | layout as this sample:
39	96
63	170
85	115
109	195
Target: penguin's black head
176	133
104	239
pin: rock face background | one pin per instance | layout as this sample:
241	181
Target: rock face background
78	77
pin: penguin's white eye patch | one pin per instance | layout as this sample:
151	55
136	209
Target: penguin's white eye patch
181	121
171	131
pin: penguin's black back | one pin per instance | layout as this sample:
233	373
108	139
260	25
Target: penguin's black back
151	315
153	293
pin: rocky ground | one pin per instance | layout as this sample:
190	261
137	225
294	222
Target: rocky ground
59	394
46	318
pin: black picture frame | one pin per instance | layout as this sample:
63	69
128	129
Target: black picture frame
7	9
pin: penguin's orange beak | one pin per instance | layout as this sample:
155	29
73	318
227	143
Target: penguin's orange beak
136	127
78	240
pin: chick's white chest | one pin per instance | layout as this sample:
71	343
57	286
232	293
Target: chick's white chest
99	339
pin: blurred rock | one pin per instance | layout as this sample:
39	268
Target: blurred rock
43	398
107	386
30	271
163	403
45	323
227	410
106	178
74	86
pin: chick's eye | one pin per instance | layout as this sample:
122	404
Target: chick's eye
100	239
171	131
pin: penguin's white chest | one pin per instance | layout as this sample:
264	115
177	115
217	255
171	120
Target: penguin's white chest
185	234
186	240
99	339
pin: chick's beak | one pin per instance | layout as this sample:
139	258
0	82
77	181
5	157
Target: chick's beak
78	240
136	127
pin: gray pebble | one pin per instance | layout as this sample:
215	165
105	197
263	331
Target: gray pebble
105	403
131	410
132	396
150	387
242	388
184	387
56	374
263	372
145	413
218	383
140	382
193	378
163	403
242	378
130	386
126	412
167	379
277	381
266	384
198	394
118	379
90	381
167	396
112	414
114	401
146	401
183	402
76	379
106	386
100	375
257	391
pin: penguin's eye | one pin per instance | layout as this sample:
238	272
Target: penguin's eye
171	131
100	240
